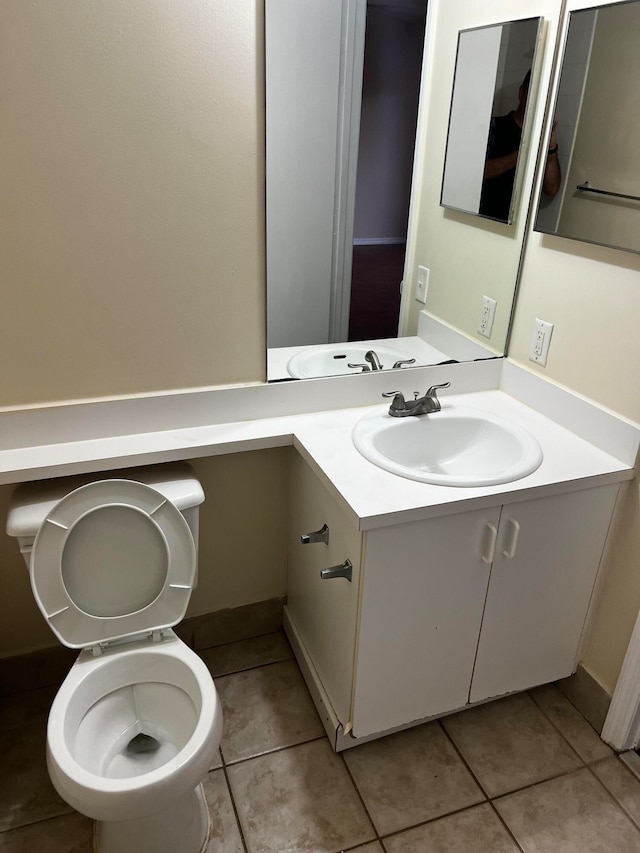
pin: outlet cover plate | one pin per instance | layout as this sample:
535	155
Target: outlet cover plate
540	341
487	313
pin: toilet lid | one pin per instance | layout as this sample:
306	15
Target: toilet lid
112	559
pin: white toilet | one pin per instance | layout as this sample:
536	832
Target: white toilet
136	725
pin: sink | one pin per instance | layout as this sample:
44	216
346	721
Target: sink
458	446
332	359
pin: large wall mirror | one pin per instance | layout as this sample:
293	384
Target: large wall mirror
597	124
342	96
488	119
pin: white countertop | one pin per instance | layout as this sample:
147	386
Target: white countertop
373	497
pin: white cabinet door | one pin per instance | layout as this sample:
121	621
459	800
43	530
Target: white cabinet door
423	591
542	579
324	612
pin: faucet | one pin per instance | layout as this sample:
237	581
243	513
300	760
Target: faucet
427	405
371	356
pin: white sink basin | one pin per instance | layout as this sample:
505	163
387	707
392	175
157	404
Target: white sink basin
457	446
332	359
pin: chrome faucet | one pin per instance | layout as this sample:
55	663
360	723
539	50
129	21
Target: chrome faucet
371	356
427	405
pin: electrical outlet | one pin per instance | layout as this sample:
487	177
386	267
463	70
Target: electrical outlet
422	284
540	341
487	313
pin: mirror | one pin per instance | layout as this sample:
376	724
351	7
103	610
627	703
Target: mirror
342	93
597	128
488	118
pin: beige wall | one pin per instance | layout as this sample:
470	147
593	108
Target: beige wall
606	151
131	225
242	554
468	256
592	296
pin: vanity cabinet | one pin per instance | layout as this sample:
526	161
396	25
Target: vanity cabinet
443	612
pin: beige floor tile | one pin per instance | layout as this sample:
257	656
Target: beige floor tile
571	814
265	709
477	829
410	777
26	794
632	760
217	762
570	723
71	833
299	800
235	657
374	847
225	835
621	783
509	743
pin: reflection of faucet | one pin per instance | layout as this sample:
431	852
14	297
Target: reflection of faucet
426	405
371	356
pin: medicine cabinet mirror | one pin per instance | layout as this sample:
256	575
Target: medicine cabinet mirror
488	118
597	117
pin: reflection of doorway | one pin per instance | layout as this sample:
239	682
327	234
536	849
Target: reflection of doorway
394	39
314	66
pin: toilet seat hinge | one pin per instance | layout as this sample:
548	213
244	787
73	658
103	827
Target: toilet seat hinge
97	649
157	635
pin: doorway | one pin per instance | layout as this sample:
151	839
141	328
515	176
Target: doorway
394	44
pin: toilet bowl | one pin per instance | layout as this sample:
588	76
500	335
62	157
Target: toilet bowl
136	725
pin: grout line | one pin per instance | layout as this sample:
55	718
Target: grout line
613	797
235	808
279	630
229	763
247	668
556	726
434	819
359	795
463	759
506	826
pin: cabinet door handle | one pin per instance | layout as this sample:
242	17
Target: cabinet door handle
489	552
321	535
344	570
514	530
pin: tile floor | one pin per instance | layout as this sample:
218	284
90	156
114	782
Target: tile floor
525	773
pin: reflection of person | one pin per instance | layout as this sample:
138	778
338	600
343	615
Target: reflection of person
505	133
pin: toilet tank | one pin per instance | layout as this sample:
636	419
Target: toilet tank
31	502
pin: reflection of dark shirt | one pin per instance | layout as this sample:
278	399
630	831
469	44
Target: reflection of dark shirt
504	138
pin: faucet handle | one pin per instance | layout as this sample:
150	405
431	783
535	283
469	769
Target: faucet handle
434	388
398	402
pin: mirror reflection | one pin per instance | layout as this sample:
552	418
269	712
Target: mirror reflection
488	118
597	125
342	92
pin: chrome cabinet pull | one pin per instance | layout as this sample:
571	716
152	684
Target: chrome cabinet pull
344	570
514	528
321	535
490	549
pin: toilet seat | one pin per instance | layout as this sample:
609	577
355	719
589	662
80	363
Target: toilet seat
113	559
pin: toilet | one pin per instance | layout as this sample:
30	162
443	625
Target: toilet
136	725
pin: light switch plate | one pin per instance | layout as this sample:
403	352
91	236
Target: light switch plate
422	284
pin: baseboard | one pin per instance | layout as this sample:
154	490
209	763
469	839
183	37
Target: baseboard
49	667
587	695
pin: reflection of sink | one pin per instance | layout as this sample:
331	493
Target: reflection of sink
332	359
457	446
